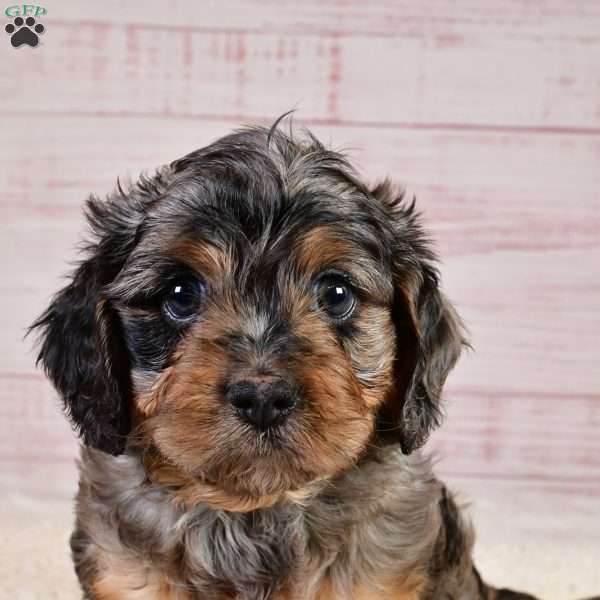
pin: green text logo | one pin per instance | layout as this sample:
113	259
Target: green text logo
25	10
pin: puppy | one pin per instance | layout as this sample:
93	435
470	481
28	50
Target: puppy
253	350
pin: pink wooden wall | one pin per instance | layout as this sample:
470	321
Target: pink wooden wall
488	111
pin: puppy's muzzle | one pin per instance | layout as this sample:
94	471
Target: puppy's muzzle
263	402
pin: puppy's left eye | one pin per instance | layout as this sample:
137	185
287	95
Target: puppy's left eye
335	297
182	298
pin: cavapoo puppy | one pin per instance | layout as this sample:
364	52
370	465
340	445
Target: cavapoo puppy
253	350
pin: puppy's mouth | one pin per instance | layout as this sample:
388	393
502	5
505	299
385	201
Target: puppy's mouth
267	441
272	447
270	471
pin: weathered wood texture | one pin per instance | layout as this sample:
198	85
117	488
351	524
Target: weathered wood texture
488	112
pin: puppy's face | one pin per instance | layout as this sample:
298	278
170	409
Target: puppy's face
259	317
261	337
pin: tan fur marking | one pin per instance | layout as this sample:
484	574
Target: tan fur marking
148	402
327	375
190	492
133	582
321	246
408	588
324	246
207	259
373	353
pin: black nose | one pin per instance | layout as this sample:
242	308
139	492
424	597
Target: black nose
263	403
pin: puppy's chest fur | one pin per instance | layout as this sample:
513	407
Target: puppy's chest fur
370	534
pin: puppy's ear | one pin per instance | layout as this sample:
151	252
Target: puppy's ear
429	333
81	349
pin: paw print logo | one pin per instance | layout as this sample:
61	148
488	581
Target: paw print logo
24	32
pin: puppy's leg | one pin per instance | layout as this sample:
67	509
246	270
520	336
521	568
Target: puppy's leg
453	572
82	551
504	594
113	576
489	593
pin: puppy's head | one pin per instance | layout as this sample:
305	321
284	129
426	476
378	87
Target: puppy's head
255	315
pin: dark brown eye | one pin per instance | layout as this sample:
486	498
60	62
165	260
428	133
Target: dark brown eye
335	297
182	298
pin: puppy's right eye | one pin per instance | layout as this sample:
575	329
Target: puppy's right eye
335	297
182	298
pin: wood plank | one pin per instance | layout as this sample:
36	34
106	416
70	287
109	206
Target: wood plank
504	19
496	436
538	184
515	218
33	428
526	333
390	65
532	437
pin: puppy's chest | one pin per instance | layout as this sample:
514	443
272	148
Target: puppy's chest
208	555
133	542
239	557
137	583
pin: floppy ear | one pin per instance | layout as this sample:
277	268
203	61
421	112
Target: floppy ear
429	333
434	347
80	333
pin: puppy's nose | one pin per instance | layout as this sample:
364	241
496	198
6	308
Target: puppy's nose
263	403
